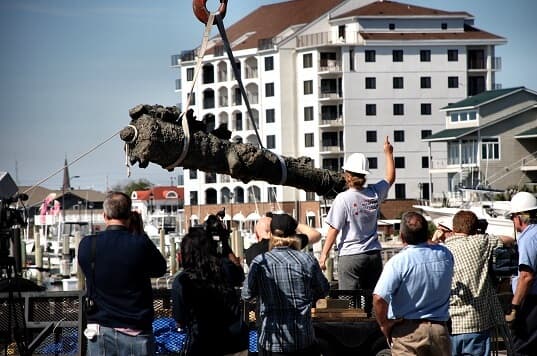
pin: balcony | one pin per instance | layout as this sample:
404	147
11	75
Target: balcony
178	86
331	149
188	56
440	166
176	60
330	66
496	63
529	164
330	96
331	122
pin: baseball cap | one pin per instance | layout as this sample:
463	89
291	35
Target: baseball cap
283	225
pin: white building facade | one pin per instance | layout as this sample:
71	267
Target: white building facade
334	80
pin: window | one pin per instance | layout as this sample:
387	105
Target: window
269	89
424	162
189	74
308	113
238	121
193	174
370	56
426	109
490	148
271	194
391	26
425	55
426	133
371	109
399	136
370	83
271	141
269	63
351	60
308	87
397	55
443	26
453	82
373	162
400	191
192	98
398	82
398	109
453	55
425	82
270	116
371	136
308	140
307	60
399	162
193	198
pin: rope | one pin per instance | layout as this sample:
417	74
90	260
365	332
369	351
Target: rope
184	121
236	72
284	170
73	162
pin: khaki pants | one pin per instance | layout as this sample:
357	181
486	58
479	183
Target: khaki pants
421	337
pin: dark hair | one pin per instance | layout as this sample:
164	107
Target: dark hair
117	205
414	228
465	222
200	260
136	225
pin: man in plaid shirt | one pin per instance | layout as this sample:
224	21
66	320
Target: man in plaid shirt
474	306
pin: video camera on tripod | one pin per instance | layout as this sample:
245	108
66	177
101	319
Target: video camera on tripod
11	222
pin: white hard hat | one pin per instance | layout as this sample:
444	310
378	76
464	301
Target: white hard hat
523	201
356	163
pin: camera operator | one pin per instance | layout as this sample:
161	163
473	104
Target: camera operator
205	298
216	228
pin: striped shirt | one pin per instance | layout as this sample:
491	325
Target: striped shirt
474	305
287	283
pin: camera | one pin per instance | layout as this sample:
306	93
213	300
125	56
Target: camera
215	228
482	225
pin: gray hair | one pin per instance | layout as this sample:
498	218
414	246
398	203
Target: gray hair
117	205
414	228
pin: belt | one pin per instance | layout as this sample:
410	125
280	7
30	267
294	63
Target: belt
421	321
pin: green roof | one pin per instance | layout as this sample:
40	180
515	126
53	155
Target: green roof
450	134
531	133
481	98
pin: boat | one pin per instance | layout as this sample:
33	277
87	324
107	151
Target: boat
482	203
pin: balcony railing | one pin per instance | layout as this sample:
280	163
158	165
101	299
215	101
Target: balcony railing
337	121
176	60
178	84
187	56
496	63
330	95
331	66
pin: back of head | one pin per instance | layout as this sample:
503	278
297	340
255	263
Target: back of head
136	224
283	231
356	167
262	228
414	228
197	247
117	205
465	222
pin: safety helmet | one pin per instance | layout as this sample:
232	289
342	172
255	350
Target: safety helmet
523	201
356	163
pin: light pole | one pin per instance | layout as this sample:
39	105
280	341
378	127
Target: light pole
90	207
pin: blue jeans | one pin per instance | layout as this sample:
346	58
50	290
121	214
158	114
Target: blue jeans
111	342
471	344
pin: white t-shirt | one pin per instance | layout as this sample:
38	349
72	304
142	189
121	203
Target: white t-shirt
354	213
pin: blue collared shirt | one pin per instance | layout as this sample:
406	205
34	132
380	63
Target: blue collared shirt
527	254
287	283
417	283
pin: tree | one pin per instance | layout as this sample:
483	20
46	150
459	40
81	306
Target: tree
128	188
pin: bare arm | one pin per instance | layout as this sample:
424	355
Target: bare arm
380	307
328	243
312	234
390	164
525	280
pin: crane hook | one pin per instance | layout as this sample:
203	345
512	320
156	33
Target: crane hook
201	12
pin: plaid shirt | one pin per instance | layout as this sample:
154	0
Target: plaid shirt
474	305
287	283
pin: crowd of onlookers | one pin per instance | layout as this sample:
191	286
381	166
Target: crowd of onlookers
435	297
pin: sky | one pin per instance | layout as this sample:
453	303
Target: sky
72	69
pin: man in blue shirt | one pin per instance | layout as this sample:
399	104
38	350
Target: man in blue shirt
287	282
411	298
523	316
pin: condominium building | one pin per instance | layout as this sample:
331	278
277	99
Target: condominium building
327	78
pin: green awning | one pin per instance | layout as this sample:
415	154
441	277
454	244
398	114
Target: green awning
450	134
531	133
